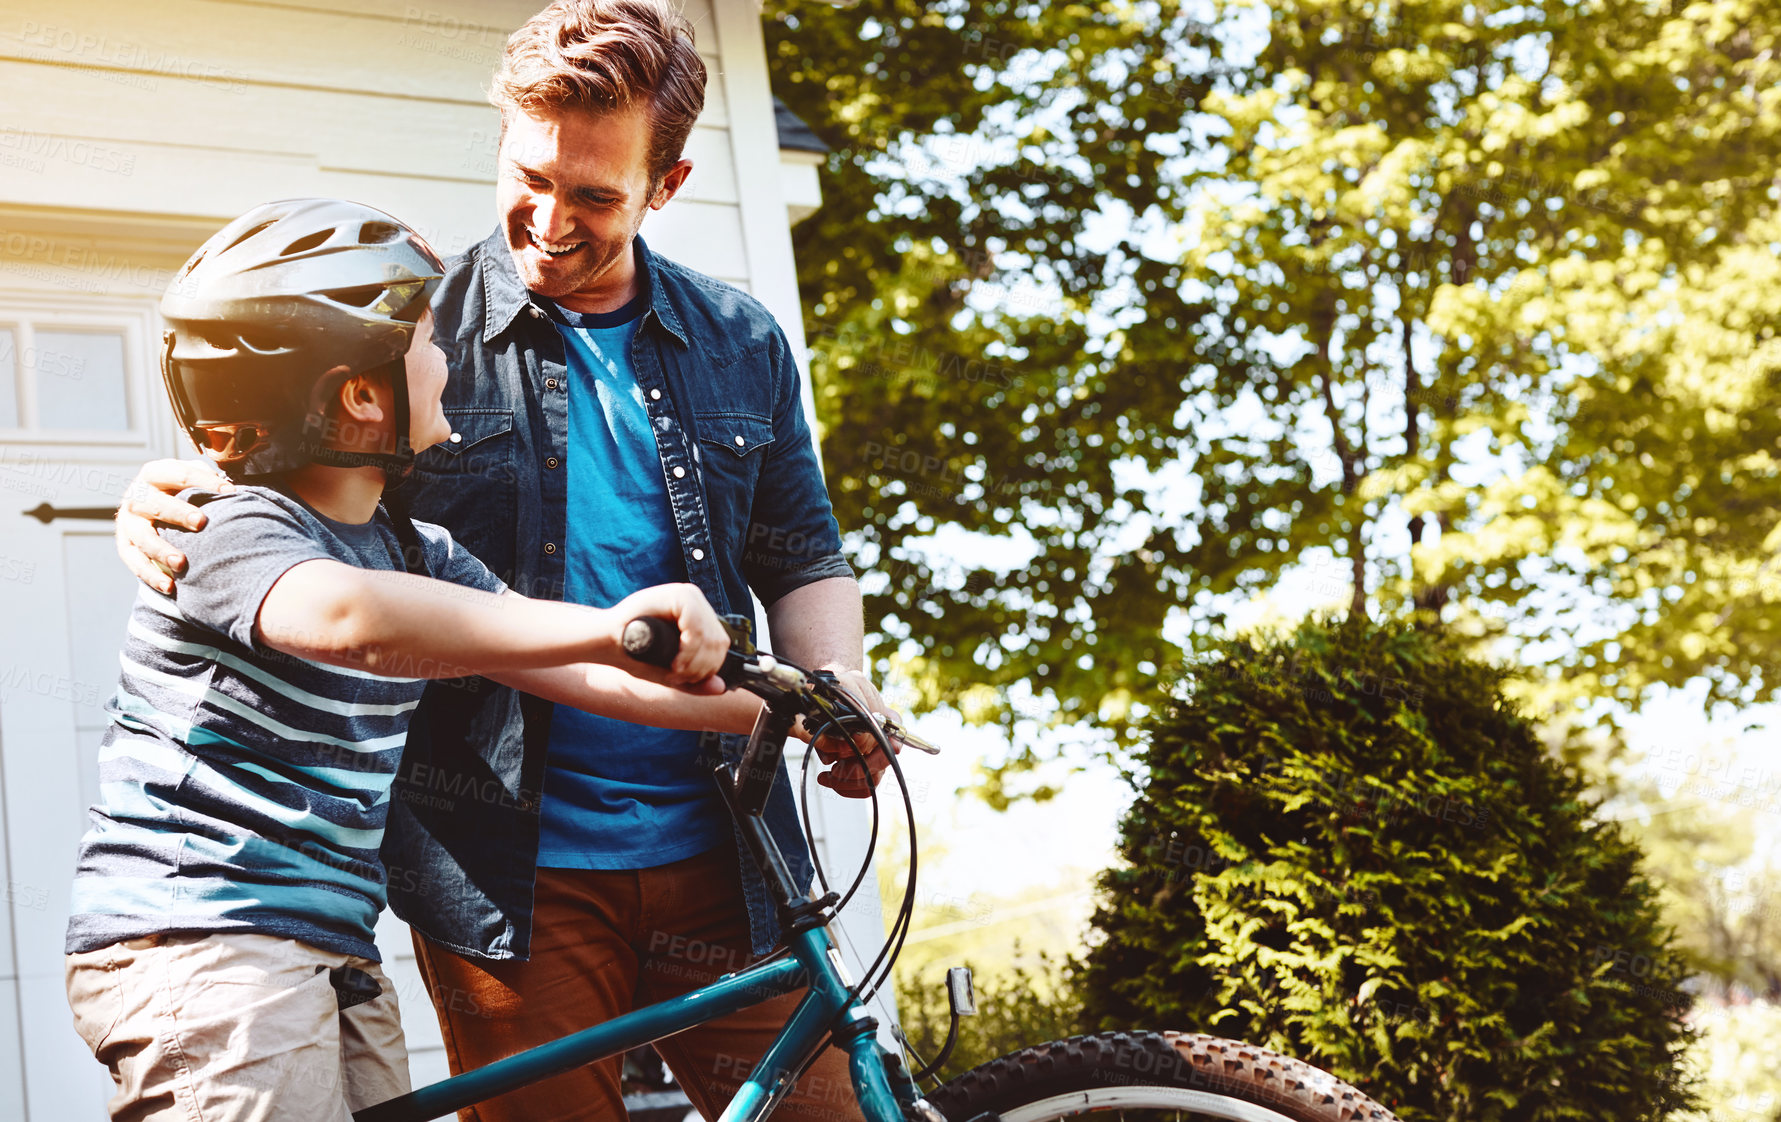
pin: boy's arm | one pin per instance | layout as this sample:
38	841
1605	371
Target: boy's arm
611	692
407	626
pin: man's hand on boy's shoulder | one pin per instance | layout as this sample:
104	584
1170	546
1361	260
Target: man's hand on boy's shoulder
151	500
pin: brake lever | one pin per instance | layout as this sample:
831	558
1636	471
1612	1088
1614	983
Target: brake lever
899	733
891	728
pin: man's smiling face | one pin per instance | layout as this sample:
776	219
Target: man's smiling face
573	192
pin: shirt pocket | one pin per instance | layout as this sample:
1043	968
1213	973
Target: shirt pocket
737	433
735	446
480	439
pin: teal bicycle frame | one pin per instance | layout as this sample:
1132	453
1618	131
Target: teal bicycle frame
826	1006
810	959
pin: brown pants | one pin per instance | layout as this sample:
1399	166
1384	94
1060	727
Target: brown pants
604	943
242	1027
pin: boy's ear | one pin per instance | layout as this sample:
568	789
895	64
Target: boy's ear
361	398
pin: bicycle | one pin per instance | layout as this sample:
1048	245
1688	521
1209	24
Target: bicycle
1189	1075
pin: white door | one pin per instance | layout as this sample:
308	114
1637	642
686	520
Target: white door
77	417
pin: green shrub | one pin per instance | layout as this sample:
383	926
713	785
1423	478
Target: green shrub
1348	847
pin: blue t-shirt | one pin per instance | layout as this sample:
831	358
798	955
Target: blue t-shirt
618	795
242	789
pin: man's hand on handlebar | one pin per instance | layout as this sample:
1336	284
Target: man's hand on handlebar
845	776
149	501
825	699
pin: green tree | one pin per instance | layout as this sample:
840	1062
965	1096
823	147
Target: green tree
974	144
1471	303
1349	846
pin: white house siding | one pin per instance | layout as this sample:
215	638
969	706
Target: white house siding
129	131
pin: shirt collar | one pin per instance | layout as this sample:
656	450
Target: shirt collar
650	268
506	297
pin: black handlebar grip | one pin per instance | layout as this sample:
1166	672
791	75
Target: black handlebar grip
652	640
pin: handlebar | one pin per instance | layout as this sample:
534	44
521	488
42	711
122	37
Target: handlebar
656	642
652	640
827	709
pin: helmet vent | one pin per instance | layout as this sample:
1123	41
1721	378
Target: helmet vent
378	233
307	242
359	296
250	233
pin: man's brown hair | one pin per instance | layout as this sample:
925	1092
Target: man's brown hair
603	56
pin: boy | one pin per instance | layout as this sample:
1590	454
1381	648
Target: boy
220	946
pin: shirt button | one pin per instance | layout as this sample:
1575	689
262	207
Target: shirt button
537	312
550	547
550	461
550	383
740	443
457	438
698	555
655	395
680	473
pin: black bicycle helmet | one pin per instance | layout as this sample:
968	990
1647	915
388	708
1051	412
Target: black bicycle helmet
269	306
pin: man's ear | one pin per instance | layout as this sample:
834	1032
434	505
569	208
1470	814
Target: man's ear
671	184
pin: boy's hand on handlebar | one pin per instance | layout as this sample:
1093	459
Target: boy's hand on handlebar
845	776
703	640
149	501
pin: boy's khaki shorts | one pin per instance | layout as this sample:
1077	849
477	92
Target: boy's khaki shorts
241	1027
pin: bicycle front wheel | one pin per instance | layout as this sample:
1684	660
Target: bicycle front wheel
1153	1077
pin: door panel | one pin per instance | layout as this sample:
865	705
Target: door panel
45	703
76	421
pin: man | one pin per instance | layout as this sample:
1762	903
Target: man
616	418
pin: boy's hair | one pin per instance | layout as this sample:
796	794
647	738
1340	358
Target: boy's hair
602	56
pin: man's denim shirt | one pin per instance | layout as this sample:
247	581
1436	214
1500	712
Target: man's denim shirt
748	502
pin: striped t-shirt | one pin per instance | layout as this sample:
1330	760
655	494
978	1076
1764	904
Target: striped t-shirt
242	789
